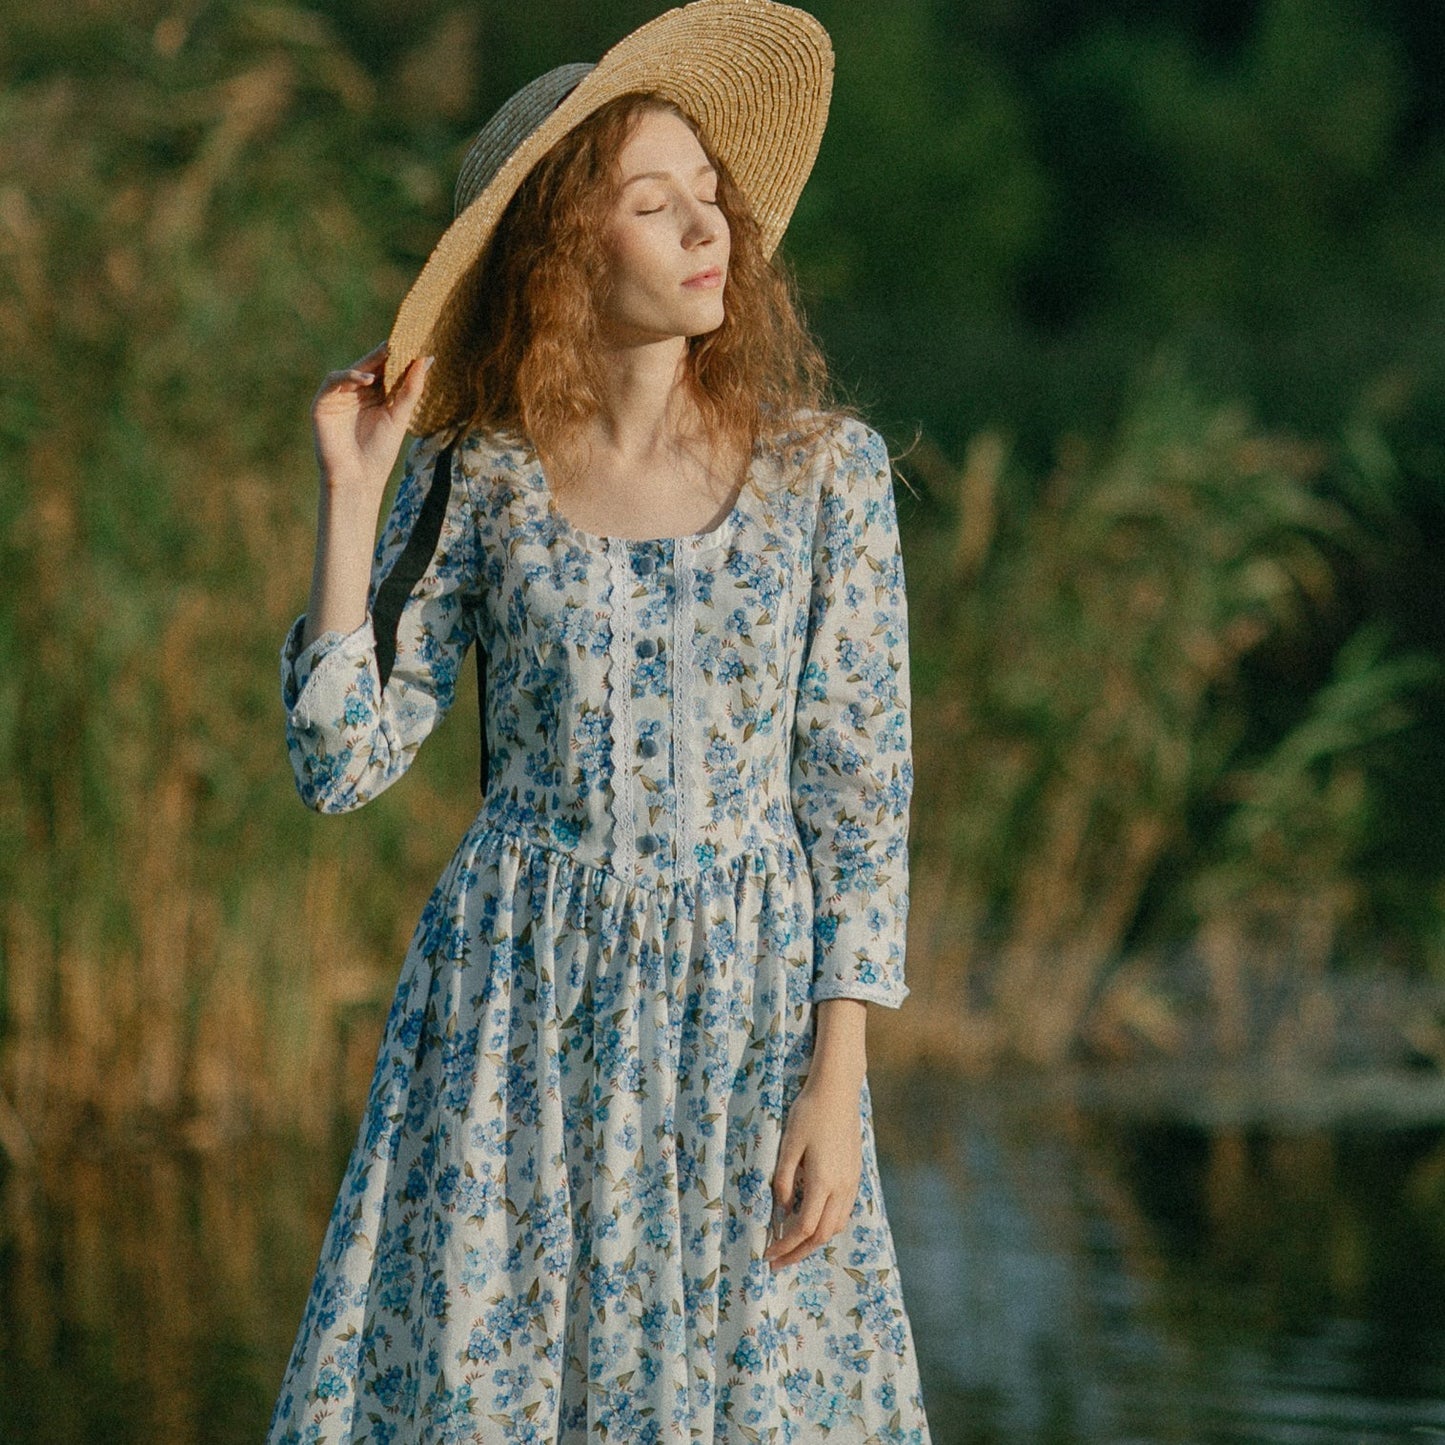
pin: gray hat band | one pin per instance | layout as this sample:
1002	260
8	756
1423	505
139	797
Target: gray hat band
516	119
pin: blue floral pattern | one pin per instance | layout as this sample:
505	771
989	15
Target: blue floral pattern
552	1224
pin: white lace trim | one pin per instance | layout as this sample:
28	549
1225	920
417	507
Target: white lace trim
684	695
619	680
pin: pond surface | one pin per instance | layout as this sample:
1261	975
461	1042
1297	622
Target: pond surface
1081	1264
1116	1271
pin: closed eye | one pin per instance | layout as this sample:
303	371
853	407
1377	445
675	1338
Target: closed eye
656	209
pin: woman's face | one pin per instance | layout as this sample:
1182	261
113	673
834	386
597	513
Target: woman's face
665	228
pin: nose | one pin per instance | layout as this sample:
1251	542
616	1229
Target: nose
705	222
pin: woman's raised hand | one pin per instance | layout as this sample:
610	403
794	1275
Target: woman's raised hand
358	432
358	436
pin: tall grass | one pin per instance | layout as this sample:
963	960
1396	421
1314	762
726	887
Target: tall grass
185	251
189	239
1096	781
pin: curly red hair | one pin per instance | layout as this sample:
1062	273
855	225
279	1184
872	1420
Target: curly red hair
524	325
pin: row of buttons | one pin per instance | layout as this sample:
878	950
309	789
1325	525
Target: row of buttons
644	562
646	648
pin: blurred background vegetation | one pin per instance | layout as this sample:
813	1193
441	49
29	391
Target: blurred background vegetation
1150	301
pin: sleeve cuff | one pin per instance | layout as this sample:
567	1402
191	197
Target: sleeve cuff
299	664
859	947
885	996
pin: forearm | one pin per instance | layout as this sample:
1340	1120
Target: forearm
839	1046
345	538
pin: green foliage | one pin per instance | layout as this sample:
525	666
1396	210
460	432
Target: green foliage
1250	190
1095	781
203	211
926	183
1306	811
192	239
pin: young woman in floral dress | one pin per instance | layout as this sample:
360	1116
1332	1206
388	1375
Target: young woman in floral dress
616	1178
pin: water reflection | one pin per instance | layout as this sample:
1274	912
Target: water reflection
1090	1275
147	1295
1077	1271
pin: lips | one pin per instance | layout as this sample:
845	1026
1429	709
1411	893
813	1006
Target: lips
705	278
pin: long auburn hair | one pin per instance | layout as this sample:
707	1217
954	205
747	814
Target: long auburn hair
524	324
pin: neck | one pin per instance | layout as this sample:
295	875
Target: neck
645	407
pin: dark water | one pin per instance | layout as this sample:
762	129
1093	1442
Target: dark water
1078	1268
1118	1274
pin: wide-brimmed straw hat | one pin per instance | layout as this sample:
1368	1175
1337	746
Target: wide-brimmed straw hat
755	75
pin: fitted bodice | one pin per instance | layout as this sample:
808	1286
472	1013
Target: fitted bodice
638	690
665	711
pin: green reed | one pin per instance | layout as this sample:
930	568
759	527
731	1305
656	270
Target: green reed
1099	786
181	939
185	249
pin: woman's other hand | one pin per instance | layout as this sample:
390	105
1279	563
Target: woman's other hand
821	1154
358	432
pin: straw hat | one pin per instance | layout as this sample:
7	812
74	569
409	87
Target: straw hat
755	75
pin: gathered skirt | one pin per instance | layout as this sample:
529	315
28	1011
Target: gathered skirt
552	1223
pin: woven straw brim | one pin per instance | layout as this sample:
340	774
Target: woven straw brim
755	75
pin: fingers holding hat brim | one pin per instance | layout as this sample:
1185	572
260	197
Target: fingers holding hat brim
402	398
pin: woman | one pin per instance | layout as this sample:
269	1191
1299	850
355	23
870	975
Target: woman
616	1178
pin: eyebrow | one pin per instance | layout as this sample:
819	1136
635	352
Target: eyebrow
703	169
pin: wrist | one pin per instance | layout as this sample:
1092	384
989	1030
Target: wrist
840	1055
346	497
831	1075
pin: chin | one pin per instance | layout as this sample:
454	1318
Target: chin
693	321
702	325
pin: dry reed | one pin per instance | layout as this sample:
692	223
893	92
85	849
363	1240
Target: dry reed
182	253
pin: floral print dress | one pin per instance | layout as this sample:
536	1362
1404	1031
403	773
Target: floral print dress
552	1225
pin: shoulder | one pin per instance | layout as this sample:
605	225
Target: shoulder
821	465
477	451
834	454
489	466
834	485
817	451
475	448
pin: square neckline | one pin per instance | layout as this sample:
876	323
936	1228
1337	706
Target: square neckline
603	542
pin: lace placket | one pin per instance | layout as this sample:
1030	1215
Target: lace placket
619	681
684	698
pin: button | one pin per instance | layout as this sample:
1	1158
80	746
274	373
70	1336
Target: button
643	563
646	647
647	843
647	747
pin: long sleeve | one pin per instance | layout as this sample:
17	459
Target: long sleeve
359	705
852	760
